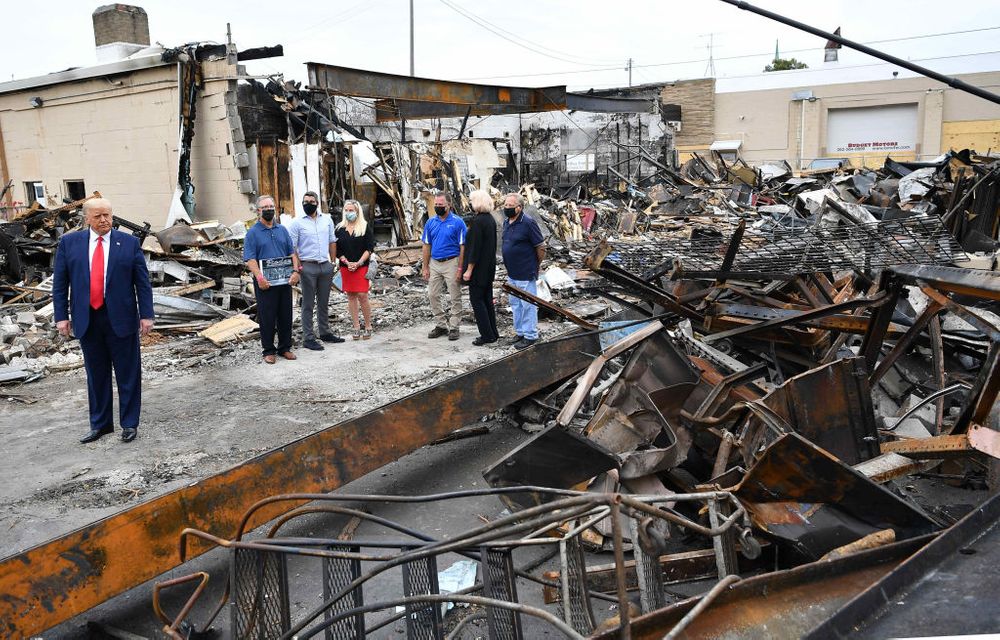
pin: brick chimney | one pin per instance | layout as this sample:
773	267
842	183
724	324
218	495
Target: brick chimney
119	31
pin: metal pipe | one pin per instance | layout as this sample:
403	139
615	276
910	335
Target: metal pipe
934	396
703	604
954	83
477	600
625	627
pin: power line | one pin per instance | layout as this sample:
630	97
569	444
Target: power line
734	57
511	37
856	66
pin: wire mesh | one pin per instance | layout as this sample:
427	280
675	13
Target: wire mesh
499	583
865	247
260	596
337	574
423	621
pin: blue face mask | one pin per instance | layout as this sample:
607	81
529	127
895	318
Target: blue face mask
351	215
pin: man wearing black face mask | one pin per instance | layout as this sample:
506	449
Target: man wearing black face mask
315	241
523	252
268	239
444	249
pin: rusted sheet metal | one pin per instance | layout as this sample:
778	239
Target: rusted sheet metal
68	575
812	503
778	605
913	575
843	423
406	90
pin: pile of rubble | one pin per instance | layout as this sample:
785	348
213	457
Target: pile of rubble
819	375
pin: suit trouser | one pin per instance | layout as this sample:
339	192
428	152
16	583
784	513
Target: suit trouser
481	299
274	313
317	278
104	352
444	275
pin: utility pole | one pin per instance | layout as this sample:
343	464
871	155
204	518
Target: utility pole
412	74
628	67
710	67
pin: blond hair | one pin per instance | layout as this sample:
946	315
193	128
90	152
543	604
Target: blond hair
360	225
481	201
96	203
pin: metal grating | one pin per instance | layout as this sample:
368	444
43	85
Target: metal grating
423	621
337	574
259	597
499	583
576	596
648	572
787	252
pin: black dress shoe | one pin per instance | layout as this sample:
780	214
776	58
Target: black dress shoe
128	435
480	341
329	337
96	434
312	345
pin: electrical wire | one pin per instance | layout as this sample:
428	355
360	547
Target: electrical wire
512	38
733	57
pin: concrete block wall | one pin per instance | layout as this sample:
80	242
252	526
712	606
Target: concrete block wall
121	138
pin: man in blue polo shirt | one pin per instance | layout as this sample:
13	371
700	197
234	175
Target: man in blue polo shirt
268	239
444	250
523	251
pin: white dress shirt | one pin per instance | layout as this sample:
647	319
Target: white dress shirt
106	245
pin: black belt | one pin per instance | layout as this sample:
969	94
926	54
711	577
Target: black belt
314	261
445	259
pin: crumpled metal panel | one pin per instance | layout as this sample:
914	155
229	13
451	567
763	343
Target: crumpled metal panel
639	418
811	502
831	406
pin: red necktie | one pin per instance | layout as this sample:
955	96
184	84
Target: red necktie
97	276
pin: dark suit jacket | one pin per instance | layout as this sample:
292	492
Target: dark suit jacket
127	292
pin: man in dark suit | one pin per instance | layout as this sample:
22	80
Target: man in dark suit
102	285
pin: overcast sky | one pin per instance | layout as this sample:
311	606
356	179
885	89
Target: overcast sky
580	43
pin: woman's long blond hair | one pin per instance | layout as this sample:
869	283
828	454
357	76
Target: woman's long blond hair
360	225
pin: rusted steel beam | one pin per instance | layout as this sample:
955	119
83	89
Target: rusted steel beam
554	308
800	317
409	92
394	109
68	575
836	322
968	282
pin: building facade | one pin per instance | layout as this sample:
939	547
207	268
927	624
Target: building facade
859	112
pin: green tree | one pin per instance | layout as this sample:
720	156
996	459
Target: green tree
784	64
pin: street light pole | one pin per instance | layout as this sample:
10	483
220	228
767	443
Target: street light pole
411	39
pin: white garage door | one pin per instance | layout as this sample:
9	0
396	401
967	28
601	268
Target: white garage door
872	129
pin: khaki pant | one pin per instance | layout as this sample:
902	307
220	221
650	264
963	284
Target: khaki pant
444	275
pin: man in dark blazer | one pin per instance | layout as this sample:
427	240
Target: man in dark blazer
101	294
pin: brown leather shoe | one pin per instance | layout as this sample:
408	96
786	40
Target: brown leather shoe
270	359
288	355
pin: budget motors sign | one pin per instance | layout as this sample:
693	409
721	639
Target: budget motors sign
872	129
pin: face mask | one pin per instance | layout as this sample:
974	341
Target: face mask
267	214
440	210
351	215
510	212
309	208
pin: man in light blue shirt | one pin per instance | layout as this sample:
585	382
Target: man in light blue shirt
315	243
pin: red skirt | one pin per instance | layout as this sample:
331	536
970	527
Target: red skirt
355	281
